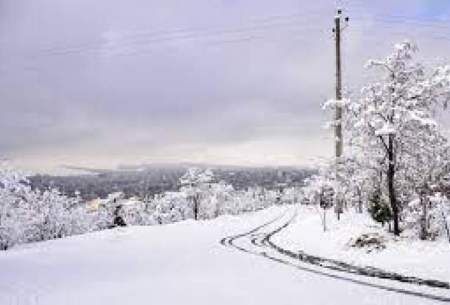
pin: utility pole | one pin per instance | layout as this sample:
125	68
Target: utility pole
338	115
338	137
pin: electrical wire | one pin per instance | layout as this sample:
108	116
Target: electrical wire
267	23
306	21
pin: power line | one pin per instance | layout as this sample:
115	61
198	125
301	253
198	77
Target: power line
361	12
227	42
186	33
407	33
230	35
157	41
384	19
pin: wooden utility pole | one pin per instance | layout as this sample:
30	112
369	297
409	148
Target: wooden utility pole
338	137
338	115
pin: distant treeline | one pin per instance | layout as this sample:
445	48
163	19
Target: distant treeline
154	180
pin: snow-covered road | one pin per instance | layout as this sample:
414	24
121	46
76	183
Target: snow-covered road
177	264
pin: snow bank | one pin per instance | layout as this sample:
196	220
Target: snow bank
428	259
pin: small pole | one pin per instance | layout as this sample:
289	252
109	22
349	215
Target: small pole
447	229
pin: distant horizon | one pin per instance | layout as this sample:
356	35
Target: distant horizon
69	170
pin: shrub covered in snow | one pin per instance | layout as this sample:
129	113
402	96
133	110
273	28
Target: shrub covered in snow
28	215
369	241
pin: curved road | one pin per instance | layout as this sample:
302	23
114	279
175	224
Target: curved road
258	241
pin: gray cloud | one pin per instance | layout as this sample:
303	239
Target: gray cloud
107	82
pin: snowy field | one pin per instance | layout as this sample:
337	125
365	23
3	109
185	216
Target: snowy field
177	264
405	255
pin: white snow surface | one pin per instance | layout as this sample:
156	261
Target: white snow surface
406	255
177	264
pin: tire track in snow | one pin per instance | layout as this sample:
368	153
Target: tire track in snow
230	240
349	268
256	239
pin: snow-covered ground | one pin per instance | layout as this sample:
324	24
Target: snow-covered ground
404	255
178	264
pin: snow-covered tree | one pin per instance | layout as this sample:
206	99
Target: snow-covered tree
319	190
172	207
195	183
14	210
218	200
393	121
252	199
441	212
31	215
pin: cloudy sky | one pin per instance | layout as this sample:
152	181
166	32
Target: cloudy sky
107	82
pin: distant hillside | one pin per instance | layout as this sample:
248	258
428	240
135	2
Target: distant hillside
154	179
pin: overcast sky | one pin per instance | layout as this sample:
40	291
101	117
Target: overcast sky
107	82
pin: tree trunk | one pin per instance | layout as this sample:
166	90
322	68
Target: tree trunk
423	220
447	229
360	203
195	207
390	181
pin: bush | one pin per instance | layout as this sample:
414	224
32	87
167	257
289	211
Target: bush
370	241
379	209
28	215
